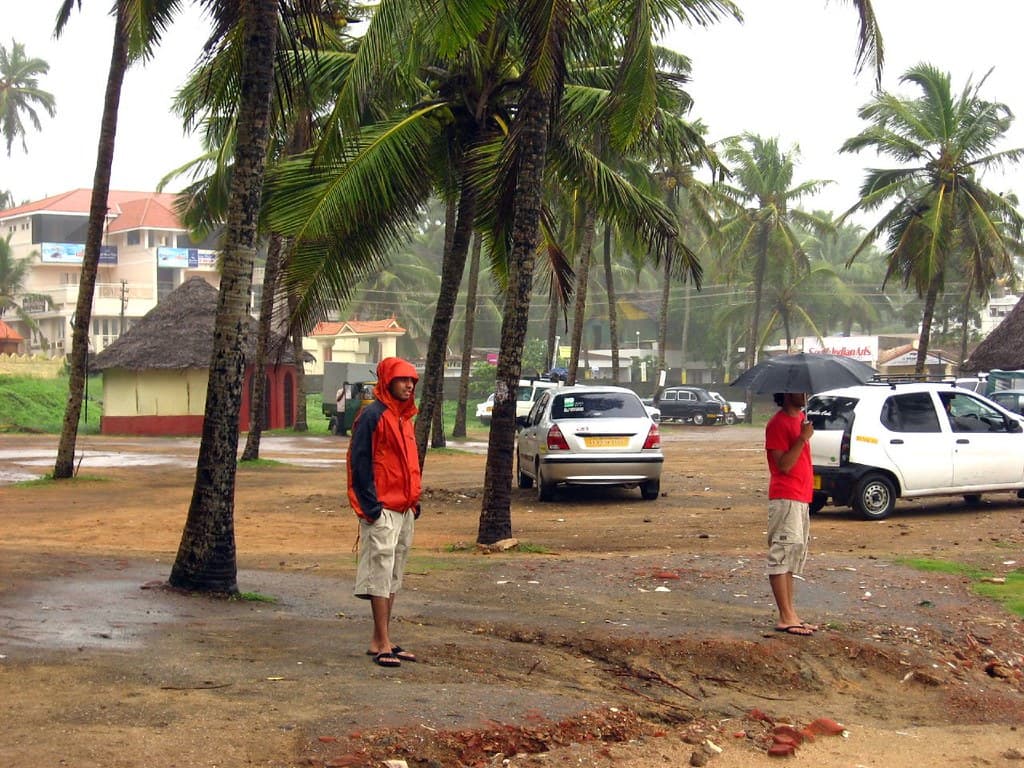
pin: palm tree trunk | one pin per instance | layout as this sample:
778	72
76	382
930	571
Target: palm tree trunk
257	404
451	276
64	466
472	284
495	506
206	555
684	334
299	352
666	292
579	318
613	310
926	325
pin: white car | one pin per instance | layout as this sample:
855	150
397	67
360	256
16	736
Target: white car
483	410
875	443
737	408
529	390
583	435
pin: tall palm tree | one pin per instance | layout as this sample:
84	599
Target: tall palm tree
761	223
137	28
206	560
13	274
940	212
20	94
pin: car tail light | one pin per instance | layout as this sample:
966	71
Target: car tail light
844	448
556	441
653	437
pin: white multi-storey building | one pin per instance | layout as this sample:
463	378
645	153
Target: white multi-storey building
146	254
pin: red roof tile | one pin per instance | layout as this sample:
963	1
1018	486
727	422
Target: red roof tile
358	327
8	333
130	210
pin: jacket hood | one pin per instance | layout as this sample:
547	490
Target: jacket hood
389	369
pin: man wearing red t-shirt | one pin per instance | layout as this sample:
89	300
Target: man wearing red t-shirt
790	489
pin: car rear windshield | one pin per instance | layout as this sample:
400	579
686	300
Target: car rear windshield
597	405
831	412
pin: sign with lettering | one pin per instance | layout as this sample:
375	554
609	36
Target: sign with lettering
863	348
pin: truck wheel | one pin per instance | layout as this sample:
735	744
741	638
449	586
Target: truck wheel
875	497
818	502
698	419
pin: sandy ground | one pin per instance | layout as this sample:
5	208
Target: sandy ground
621	633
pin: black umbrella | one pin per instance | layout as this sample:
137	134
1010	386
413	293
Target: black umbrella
804	372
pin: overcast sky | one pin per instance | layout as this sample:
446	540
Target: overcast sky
787	72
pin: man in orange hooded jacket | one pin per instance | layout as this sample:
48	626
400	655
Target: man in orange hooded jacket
384	490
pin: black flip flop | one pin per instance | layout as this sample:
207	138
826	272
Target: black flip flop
386	659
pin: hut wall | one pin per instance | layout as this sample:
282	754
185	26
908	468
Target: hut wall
153	402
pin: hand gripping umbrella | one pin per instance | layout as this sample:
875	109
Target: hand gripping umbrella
804	372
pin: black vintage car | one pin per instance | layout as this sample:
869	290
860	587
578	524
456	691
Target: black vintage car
692	405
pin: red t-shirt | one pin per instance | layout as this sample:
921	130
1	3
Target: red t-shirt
797	484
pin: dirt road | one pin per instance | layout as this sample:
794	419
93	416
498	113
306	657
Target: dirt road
621	633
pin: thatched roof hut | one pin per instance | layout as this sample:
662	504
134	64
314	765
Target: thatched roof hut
155	375
178	333
1003	349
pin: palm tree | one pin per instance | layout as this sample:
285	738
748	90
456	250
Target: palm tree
137	28
20	94
760	224
13	274
940	211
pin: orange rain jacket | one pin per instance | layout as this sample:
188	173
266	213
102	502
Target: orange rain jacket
382	460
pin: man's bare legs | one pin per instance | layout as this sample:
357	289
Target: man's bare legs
381	609
782	590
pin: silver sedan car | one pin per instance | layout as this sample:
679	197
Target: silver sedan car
584	435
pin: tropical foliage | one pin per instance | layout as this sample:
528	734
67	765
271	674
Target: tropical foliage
20	94
939	219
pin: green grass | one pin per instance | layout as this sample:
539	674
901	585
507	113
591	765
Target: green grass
48	480
37	405
255	597
1010	593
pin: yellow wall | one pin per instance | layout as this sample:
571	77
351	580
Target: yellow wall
35	366
154	393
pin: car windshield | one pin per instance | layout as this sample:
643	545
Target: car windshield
831	413
597	405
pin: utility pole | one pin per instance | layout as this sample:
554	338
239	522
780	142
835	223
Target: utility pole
124	305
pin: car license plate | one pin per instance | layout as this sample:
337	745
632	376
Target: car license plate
817	482
606	442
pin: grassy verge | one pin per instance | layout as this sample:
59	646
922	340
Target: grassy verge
37	405
1009	591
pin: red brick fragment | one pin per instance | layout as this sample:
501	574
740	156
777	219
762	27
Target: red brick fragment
826	727
327	739
757	714
666	575
788	731
781	750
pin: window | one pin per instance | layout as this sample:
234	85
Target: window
910	412
831	413
133	237
969	414
597	405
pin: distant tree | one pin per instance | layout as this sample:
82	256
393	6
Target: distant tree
940	214
13	273
20	94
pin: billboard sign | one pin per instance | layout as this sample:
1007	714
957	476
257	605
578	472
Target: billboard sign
185	258
74	253
863	348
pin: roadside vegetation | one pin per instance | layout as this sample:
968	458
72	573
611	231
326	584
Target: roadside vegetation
1007	588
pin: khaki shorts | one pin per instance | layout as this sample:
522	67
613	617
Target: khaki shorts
383	550
789	527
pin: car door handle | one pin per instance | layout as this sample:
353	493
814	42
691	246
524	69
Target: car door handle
963	441
896	441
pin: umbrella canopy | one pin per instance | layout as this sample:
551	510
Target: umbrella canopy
804	372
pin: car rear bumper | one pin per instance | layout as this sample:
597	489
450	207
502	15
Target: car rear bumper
838	482
603	470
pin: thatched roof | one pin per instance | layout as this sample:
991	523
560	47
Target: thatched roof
178	333
1003	349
